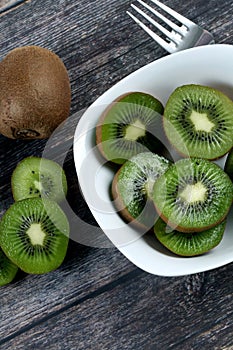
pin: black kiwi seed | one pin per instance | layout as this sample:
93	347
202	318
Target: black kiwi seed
198	121
39	177
129	126
132	187
34	235
193	195
188	244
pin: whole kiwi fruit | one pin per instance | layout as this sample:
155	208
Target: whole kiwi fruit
35	93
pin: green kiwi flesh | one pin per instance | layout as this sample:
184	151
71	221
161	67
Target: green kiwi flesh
34	235
193	195
128	126
229	165
198	121
132	187
39	177
189	244
8	269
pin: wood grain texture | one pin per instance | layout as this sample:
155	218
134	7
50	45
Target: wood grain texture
8	5
138	311
97	299
4	3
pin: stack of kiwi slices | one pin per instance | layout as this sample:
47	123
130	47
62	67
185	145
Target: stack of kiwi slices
34	231
185	203
193	199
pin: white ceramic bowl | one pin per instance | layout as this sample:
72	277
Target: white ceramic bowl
207	65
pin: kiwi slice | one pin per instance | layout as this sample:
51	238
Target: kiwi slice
193	195
8	269
188	244
128	126
132	187
34	235
39	177
229	165
198	121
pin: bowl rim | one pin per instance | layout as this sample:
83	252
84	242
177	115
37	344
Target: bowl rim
163	264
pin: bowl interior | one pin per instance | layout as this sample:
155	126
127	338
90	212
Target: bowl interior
207	65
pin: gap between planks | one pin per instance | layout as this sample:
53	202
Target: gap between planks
8	5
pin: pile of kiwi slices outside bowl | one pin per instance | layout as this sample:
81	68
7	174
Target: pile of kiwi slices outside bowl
156	150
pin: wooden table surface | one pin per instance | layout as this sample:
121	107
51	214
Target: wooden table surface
98	299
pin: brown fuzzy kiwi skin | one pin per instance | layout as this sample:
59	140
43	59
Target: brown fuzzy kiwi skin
35	93
185	229
120	206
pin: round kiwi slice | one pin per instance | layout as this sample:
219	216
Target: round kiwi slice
128	126
35	93
188	244
34	235
38	177
198	121
229	165
132	187
8	269
193	195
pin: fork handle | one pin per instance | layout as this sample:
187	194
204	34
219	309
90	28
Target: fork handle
205	39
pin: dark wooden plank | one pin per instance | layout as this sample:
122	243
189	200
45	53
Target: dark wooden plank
143	312
98	299
32	298
6	5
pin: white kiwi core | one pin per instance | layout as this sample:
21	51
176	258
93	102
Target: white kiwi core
38	185
149	185
36	234
194	193
135	130
201	121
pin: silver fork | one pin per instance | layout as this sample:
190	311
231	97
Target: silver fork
180	37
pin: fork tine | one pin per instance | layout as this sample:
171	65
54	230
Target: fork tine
164	19
178	37
173	13
156	24
163	43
